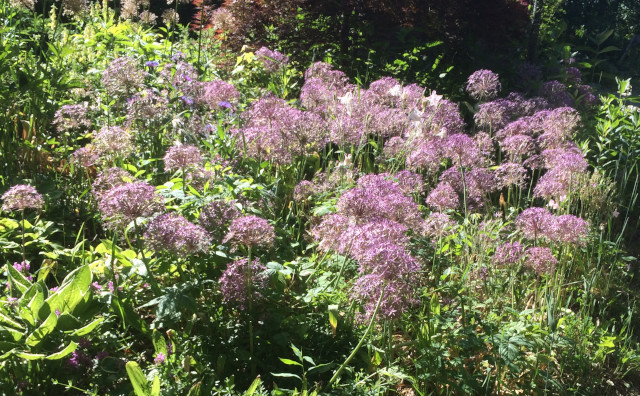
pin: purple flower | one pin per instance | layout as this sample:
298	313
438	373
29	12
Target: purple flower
122	76
122	204
535	223
181	157
86	156
217	215
271	60
78	359
399	295
160	358
518	146
22	266
511	174
20	197
224	104
114	141
173	233
147	106
461	150
109	178
234	282
58	313
250	231
217	93
437	225
483	85
152	63
571	229
540	259
509	253
443	197
303	191
71	118
494	115
96	286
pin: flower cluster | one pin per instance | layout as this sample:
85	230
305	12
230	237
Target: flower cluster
483	85
540	259
122	204
217	215
122	76
271	60
71	118
173	233
509	253
181	157
250	231
234	282
535	223
20	197
113	141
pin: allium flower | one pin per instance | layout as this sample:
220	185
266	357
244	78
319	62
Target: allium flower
511	174
326	73
20	197
535	223
109	178
559	126
331	232
147	17
571	229
394	148
518	146
86	156
387	259
114	141
182	76
147	106
122	76
494	115
217	215
222	19
217	91
399	295
173	233
556	93
461	150
442	119
485	146
29	4
409	182
303	191
509	253
443	197
234	282
424	156
540	259
483	85
170	17
181	157
271	60
71	118
122	204
250	231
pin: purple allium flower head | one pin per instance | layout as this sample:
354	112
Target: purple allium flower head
199	177
483	85
327	74
535	223
571	229
218	93
485	146
559	126
250	231
234	282
556	93
425	156
399	295
71	118
271	60
511	174
20	197
494	115
122	76
159	359
330	233
173	233
360	241
109	178
147	106
540	259
461	150
86	156
303	191
188	100
181	157
122	204
509	253
394	148
217	215
574	75
443	197
114	141
409	182
152	63
442	119
518	146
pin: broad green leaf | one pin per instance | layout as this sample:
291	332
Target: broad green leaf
155	388
30	356
7	354
45	269
138	380
30	303
64	352
10	321
45	328
254	386
17	280
159	344
71	292
88	328
286	375
333	318
15	334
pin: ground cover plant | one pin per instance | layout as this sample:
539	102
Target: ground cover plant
183	218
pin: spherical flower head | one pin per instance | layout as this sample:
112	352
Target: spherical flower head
173	233
437	225
271	60
181	157
494	115
462	150
122	76
86	156
540	259
217	94
114	141
409	182
333	234
571	229
109	178
399	296
217	215
511	174
518	146
250	231
235	279
147	106
22	197
535	223
71	118
509	253
123	204
394	148
483	85
443	197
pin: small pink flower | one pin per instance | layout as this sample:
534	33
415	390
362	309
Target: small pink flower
160	358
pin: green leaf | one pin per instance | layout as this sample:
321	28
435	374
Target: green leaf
88	328
30	303
137	378
17	280
45	328
286	375
290	362
333	318
71	292
297	352
10	321
64	352
15	334
30	356
254	386
155	388
159	344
